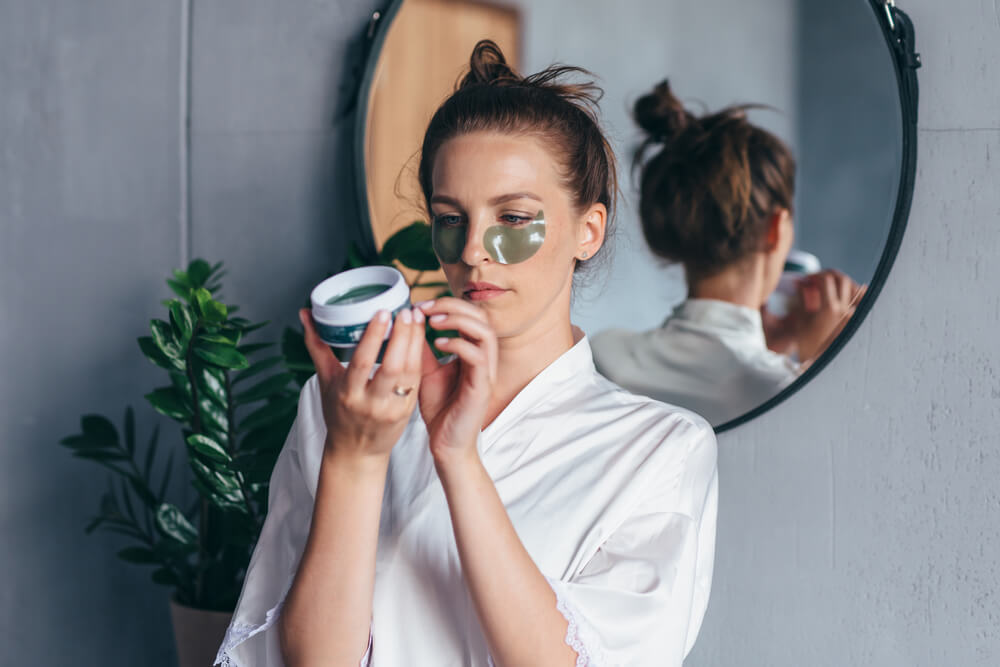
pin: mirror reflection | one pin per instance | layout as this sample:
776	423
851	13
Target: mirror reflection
759	147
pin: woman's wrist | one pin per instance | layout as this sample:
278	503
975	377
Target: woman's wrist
359	465
457	465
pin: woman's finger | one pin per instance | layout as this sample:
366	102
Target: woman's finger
449	305
394	359
471	328
472	356
418	340
366	353
326	364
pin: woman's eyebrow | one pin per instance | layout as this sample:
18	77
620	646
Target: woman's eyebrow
514	195
499	199
442	199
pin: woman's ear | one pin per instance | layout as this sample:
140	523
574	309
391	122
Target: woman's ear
779	230
590	237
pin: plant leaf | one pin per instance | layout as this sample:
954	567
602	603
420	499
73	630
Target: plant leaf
147	466
153	353
198	272
180	289
173	524
181	321
164	577
167	401
163	336
100	430
274	410
210	309
139	555
101	454
223	355
250	348
94	523
293	347
208	447
257	367
213	417
165	482
265	388
130	430
212	382
411	247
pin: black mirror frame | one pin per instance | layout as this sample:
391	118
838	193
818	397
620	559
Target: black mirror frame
897	29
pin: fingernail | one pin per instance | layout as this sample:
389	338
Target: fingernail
440	317
424	304
406	316
383	316
418	315
441	341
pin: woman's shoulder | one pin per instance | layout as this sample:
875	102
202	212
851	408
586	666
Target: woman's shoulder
639	422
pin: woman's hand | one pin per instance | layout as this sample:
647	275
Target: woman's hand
827	300
364	416
454	397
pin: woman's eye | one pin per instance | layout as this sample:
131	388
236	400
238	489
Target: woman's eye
448	220
513	219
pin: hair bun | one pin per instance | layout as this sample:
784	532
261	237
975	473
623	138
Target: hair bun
488	66
661	114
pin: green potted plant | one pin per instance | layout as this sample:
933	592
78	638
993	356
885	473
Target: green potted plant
234	403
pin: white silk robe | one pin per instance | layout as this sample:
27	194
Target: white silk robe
613	495
709	356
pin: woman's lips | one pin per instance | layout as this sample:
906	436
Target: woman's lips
482	291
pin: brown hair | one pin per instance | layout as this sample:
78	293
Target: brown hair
493	97
707	194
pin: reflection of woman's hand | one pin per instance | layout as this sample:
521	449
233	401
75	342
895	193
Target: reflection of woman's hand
827	300
454	397
781	333
365	417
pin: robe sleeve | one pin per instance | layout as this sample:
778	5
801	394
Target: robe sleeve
252	637
641	598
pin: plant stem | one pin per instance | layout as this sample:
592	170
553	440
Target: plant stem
197	428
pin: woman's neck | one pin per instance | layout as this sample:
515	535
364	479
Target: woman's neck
523	356
742	284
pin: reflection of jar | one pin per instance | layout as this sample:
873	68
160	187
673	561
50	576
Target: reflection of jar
798	264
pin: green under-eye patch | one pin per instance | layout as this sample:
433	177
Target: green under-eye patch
505	244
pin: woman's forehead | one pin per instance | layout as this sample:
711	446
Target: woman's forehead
489	165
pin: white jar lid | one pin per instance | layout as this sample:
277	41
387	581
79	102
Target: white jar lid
345	314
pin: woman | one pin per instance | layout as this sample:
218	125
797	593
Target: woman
717	198
529	512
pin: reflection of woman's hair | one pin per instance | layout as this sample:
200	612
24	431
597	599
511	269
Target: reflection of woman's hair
708	191
493	97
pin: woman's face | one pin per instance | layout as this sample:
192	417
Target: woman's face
488	188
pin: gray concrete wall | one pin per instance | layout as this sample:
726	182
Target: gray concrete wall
92	218
857	521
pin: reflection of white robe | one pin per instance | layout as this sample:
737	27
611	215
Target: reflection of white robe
613	495
709	356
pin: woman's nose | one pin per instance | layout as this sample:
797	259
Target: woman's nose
474	251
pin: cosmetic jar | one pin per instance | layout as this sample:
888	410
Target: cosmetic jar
798	264
342	305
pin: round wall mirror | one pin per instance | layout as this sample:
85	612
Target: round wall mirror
834	82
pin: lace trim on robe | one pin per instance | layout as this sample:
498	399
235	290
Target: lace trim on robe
579	635
237	633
